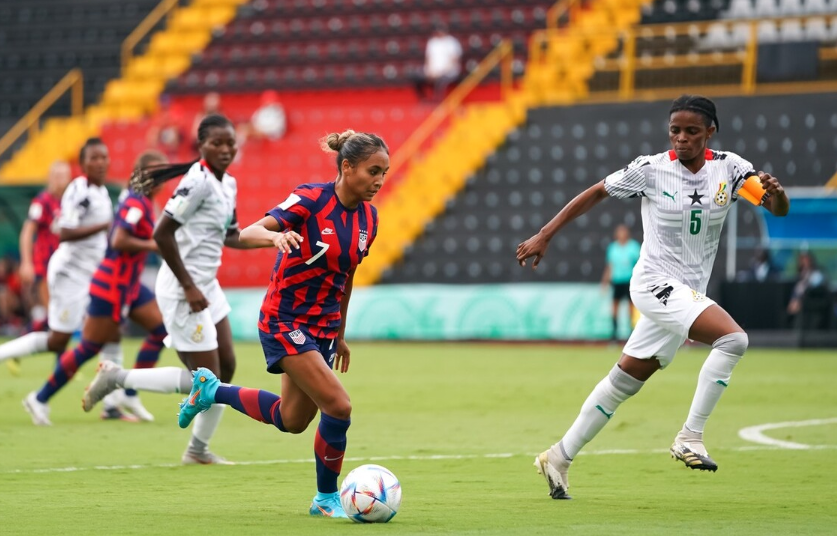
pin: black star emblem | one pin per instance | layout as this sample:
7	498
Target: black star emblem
696	198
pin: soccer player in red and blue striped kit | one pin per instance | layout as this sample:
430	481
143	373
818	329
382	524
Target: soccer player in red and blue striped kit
322	232
116	293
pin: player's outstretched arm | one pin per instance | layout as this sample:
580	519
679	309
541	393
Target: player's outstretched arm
167	244
778	202
125	241
77	233
265	233
583	202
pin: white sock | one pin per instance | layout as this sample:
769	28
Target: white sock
31	343
38	313
204	427
112	351
596	411
157	380
714	378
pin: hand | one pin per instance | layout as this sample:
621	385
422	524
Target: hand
770	184
341	362
196	299
534	247
284	241
27	274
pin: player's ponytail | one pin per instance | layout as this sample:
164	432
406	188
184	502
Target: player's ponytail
699	105
352	146
144	179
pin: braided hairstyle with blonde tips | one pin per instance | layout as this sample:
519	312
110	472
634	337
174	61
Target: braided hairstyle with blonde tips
354	147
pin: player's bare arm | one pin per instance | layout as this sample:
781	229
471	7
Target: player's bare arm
581	204
27	245
265	233
79	233
778	202
342	360
164	237
125	241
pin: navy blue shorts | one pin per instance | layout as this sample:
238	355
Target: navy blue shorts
118	311
294	342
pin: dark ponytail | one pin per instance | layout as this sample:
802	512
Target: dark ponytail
144	179
699	105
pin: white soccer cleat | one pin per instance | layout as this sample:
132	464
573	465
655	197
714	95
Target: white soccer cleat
688	447
204	458
133	404
102	385
556	478
37	410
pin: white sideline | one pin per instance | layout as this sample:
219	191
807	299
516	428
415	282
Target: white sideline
431	457
754	433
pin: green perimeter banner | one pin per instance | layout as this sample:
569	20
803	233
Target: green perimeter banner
555	311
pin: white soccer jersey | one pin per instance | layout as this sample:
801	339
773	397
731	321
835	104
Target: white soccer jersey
682	212
205	209
83	204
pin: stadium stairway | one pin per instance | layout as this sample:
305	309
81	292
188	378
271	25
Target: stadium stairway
480	129
129	97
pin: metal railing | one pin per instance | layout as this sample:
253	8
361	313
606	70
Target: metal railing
73	81
559	11
690	54
502	55
163	9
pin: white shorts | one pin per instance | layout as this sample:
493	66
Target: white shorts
68	301
668	312
194	332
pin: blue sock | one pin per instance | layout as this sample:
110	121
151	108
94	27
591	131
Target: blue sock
329	448
262	406
67	365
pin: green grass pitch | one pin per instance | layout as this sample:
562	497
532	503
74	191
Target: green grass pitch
459	424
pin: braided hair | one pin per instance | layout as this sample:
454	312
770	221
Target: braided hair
145	178
352	146
699	105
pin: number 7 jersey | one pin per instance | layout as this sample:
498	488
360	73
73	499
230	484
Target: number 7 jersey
682	212
308	284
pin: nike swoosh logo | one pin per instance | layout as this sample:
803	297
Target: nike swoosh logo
194	397
333	459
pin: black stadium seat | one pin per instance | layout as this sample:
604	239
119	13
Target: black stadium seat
560	151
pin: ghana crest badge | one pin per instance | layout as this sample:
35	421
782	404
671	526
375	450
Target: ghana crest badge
721	196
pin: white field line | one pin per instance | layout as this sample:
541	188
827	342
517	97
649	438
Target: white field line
754	433
431	457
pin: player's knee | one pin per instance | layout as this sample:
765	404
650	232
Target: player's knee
296	424
339	409
732	343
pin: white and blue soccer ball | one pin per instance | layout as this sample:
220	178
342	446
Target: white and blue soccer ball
370	494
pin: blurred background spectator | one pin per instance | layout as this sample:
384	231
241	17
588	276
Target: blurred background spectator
442	64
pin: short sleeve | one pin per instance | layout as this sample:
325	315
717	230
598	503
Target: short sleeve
629	181
36	211
739	170
233	225
187	198
294	210
74	205
609	253
129	215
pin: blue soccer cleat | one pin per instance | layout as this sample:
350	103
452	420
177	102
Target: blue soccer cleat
201	398
327	505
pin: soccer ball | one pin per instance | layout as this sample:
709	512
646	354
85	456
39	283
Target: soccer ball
370	494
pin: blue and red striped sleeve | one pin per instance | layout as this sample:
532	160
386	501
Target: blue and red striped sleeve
294	210
130	215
